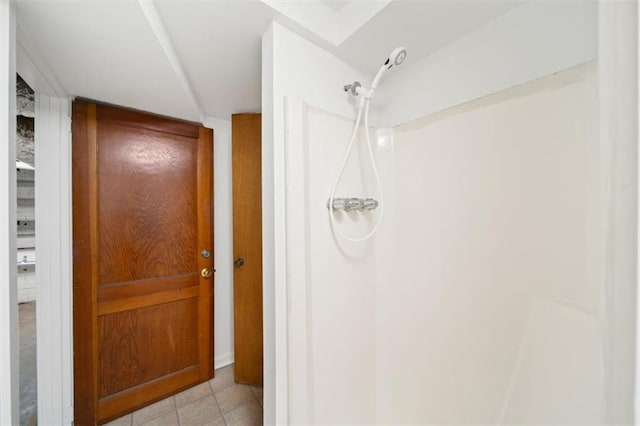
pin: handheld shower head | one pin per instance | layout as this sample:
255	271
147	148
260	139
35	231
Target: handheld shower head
396	58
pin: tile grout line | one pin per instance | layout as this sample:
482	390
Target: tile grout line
215	398
175	404
253	391
176	408
159	415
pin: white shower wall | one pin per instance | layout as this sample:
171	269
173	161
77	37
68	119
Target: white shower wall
487	306
331	285
477	301
330	308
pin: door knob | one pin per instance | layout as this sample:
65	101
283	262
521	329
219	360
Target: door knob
206	273
239	262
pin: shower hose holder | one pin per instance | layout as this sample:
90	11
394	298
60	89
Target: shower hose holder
356	89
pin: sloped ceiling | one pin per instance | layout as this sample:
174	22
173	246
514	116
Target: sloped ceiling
198	59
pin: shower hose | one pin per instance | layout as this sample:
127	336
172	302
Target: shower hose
364	105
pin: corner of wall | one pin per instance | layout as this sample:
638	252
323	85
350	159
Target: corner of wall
272	395
223	241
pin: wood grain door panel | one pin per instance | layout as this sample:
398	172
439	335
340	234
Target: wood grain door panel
132	343
247	245
142	205
131	248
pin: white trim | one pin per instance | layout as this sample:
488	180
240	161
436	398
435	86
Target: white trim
53	239
617	74
9	412
300	379
637	376
53	274
159	30
223	360
274	296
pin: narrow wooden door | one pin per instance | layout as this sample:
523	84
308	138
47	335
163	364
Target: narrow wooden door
143	260
247	247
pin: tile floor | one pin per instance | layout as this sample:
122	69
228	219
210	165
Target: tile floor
219	401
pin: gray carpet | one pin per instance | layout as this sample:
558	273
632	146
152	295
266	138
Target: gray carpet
28	384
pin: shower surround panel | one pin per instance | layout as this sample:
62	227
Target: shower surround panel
477	301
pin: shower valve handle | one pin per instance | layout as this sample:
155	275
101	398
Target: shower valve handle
353	204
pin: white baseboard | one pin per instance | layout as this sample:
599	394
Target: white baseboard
223	360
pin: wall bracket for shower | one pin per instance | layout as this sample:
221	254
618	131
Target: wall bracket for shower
353	204
352	88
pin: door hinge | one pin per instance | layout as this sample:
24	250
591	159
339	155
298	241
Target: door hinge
67	123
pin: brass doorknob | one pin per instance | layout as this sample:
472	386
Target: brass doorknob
239	262
206	273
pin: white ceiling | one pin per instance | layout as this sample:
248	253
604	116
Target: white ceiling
112	51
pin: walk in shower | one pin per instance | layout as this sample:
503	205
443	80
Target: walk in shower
481	298
477	300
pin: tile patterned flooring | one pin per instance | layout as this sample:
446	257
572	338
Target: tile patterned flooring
219	401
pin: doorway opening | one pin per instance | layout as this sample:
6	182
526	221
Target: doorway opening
26	249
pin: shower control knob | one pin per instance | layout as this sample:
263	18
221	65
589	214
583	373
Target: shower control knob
353	204
239	262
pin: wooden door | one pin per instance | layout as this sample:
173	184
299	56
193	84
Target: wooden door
142	215
247	247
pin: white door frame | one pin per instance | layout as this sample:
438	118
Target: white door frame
53	236
9	411
54	269
618	122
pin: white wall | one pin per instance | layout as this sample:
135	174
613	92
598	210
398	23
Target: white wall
222	242
480	293
291	66
331	283
8	305
488	303
530	42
